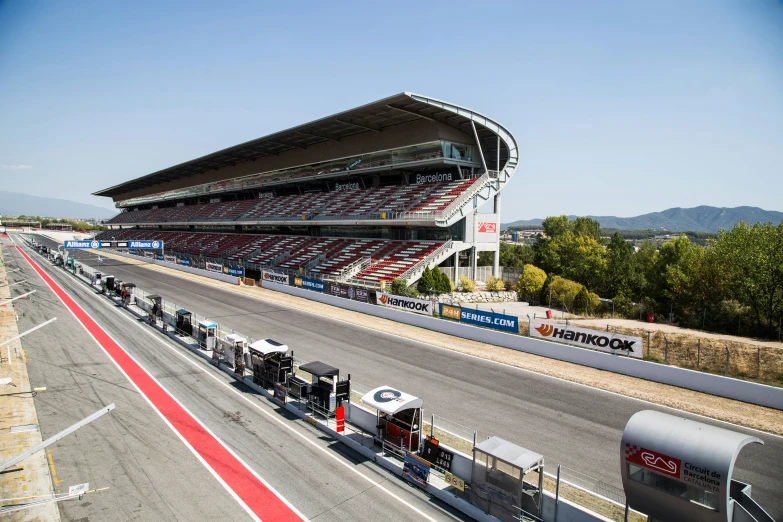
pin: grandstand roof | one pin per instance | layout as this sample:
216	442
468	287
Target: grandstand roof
370	118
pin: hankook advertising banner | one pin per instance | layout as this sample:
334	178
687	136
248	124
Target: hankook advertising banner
420	306
274	277
214	267
586	338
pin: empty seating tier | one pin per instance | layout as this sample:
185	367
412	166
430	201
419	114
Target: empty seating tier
375	259
428	197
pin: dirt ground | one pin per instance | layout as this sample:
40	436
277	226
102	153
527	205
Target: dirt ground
758	417
670	328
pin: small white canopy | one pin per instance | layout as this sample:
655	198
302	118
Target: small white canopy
268	346
390	401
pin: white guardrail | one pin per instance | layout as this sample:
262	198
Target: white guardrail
745	391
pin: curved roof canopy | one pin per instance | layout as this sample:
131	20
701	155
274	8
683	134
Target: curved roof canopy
677	469
371	118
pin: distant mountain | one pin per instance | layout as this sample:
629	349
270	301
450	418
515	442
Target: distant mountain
697	219
16	204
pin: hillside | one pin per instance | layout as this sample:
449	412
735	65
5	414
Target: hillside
16	204
697	219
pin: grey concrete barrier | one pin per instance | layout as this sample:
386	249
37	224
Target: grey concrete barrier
745	391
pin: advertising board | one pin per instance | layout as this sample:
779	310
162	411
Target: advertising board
586	338
184	261
419	306
149	254
506	323
145	244
416	470
170	259
274	277
237	271
349	292
310	284
73	244
214	267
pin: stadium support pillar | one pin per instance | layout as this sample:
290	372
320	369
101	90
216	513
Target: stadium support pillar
496	255
473	262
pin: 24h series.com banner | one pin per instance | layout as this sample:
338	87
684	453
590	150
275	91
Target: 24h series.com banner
506	323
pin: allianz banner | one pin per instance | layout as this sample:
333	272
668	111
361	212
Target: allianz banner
507	323
408	304
587	338
274	277
214	267
310	284
237	271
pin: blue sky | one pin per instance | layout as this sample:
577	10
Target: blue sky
619	108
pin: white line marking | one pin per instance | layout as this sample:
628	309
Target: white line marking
255	405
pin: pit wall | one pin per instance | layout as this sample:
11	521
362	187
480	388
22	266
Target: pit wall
736	389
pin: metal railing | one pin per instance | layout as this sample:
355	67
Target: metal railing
466	196
426	261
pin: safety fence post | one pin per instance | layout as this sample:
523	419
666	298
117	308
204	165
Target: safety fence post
666	350
557	490
727	359
432	426
758	361
648	344
698	353
626	511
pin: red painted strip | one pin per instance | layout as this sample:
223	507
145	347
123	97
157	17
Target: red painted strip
258	497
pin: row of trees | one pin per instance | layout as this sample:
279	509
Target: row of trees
76	224
733	284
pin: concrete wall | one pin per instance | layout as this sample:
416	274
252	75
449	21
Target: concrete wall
745	391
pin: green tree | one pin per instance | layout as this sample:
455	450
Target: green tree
513	256
425	283
582	300
564	292
555	226
587	227
530	283
620	266
399	286
750	258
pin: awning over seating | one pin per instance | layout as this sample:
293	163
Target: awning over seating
390	401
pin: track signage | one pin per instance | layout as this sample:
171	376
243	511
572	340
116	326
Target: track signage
507	323
145	244
587	338
310	284
237	271
74	244
419	306
274	277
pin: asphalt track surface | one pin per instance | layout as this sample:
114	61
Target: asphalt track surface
150	472
577	426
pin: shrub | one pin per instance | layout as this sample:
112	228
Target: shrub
511	286
495	284
564	292
531	283
582	300
444	286
425	282
399	286
467	284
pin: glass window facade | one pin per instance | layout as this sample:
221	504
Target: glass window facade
673	486
457	151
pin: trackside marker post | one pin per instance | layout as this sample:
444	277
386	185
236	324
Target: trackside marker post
258	499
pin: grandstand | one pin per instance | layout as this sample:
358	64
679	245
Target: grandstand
366	195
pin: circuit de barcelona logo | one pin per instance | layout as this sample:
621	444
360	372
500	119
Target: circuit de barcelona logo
387	396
